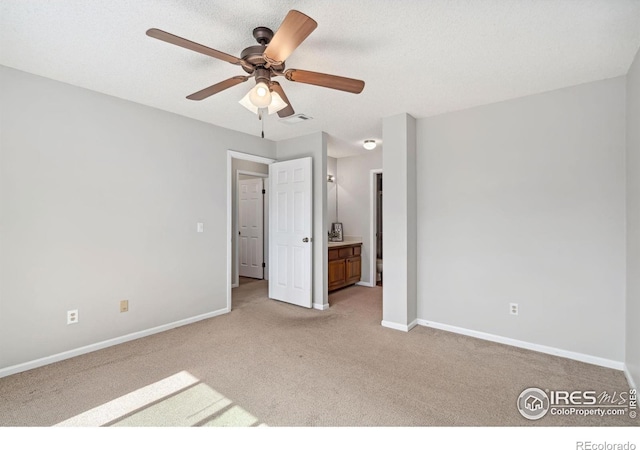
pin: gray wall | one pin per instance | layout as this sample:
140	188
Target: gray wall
523	201
314	146
249	166
99	200
632	358
332	192
354	201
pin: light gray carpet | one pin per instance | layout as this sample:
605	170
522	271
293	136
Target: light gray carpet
270	363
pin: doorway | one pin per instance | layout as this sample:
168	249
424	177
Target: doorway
290	192
376	202
379	229
243	166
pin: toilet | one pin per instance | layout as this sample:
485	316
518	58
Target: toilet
379	269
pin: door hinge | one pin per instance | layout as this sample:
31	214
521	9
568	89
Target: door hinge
264	191
264	265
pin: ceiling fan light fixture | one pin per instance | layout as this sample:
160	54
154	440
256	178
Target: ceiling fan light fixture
247	103
260	95
277	104
369	144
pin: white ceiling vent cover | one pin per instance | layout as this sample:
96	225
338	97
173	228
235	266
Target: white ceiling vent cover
296	118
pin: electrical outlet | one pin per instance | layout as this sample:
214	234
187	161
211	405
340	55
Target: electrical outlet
124	305
72	316
513	308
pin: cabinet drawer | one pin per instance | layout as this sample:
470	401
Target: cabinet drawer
334	254
357	250
345	252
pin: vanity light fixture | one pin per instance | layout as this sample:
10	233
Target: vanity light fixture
369	144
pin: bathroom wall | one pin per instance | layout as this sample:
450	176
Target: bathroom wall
354	201
332	192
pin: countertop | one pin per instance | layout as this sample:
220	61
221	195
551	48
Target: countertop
343	243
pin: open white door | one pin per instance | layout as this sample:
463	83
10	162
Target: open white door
250	225
290	231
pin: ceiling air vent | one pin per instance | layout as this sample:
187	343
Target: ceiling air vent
296	118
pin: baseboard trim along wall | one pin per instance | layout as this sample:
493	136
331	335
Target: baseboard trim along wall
596	360
630	379
364	283
399	326
104	344
320	306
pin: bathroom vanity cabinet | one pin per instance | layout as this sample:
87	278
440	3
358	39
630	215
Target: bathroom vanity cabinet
345	263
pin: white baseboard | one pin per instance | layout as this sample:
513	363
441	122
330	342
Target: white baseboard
630	379
320	306
399	326
235	285
590	359
4	372
364	283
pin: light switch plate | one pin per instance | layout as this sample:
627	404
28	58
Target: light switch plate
200	227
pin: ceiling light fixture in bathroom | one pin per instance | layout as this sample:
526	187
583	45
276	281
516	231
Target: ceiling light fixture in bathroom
369	144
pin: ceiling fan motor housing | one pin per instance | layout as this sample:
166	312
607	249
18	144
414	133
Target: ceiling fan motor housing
254	56
262	74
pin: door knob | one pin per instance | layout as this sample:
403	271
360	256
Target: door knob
305	240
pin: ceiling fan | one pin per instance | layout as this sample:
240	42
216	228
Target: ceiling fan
264	62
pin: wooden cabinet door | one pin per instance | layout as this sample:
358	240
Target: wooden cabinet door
353	269
337	273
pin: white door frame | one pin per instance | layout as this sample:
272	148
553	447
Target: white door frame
372	223
265	229
248	157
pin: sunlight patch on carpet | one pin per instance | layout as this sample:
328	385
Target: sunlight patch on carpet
180	400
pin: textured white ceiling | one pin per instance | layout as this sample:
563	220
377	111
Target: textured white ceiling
419	57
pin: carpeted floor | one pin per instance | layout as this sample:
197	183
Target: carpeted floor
274	364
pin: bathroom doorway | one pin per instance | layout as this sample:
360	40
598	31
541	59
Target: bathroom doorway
376	265
379	229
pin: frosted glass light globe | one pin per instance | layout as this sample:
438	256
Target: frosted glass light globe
260	95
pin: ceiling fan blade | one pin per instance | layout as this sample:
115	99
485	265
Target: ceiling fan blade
295	28
218	87
176	40
285	112
322	79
